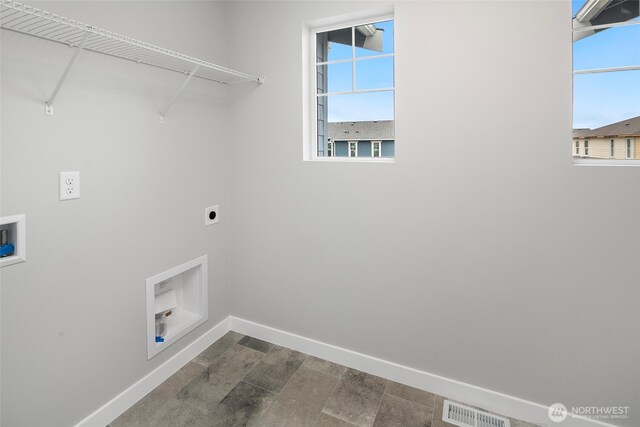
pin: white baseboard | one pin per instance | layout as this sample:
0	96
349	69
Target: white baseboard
116	406
456	390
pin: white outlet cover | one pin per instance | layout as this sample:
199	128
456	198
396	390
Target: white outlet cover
211	215
69	185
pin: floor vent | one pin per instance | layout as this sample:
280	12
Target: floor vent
463	416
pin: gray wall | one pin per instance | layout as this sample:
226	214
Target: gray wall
482	254
73	315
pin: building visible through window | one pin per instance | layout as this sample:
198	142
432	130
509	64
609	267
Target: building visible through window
615	141
354	91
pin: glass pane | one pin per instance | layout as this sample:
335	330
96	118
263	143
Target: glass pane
374	39
605	107
334	45
335	77
604	98
361	107
374	73
613	47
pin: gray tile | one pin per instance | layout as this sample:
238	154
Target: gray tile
256	344
411	394
396	412
275	369
356	398
243	406
324	366
146	408
300	402
325	420
169	414
219	378
215	350
177	413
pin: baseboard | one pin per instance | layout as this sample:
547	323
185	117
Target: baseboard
116	406
456	390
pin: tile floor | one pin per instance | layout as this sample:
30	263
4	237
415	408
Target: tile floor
243	381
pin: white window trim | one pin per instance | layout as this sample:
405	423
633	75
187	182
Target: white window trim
309	108
628	149
331	144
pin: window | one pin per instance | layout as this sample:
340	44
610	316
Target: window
577	147
353	149
586	147
629	154
606	76
353	89
375	149
611	149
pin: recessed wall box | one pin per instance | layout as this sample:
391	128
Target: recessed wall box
181	294
12	240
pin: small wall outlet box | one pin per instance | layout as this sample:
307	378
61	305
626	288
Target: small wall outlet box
211	215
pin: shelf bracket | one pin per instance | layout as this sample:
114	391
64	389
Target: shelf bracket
184	85
48	106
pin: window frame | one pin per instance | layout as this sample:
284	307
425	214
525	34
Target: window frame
629	150
310	139
582	161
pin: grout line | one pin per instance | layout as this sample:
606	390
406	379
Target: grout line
219	356
297	370
318	370
411	401
386	384
433	411
326	400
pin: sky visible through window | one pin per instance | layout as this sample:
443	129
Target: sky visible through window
604	98
370	74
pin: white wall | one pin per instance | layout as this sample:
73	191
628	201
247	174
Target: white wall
482	254
73	315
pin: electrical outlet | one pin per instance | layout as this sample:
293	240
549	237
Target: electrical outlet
211	215
69	185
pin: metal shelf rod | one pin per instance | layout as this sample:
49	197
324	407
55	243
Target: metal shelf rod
184	85
49	103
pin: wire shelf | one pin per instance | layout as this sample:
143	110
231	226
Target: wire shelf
25	19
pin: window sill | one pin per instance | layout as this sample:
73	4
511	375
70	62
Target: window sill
606	162
352	159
